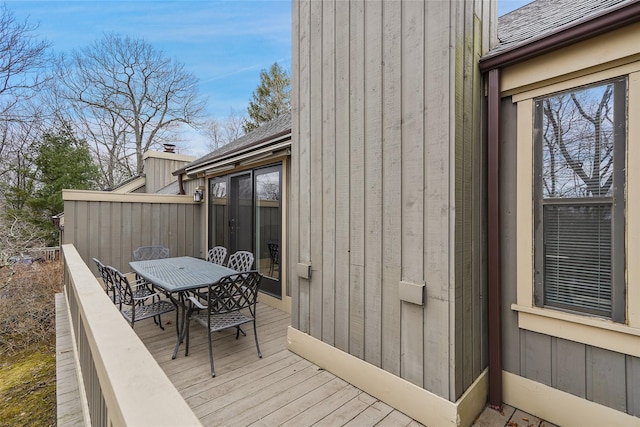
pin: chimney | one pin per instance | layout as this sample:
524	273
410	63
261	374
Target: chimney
169	148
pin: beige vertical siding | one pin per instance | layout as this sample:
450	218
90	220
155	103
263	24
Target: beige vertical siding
111	230
158	168
386	183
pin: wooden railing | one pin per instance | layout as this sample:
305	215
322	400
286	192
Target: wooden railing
46	254
122	383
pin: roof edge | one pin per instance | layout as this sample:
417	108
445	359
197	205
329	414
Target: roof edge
617	17
271	139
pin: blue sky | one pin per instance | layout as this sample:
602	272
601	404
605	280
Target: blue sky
224	43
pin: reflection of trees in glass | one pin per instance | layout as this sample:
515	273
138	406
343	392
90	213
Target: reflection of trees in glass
219	189
578	139
268	186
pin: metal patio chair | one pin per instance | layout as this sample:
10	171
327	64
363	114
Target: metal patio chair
107	280
217	255
143	288
274	256
231	302
240	261
144	253
133	305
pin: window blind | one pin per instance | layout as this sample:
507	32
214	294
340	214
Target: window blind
578	257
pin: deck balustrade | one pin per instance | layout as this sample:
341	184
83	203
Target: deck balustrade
120	382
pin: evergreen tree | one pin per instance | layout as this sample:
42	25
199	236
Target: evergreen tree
270	99
62	161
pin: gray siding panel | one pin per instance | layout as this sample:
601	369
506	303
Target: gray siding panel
606	372
568	366
110	231
508	243
633	386
386	183
535	356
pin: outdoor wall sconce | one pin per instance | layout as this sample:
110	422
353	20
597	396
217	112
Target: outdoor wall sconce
198	195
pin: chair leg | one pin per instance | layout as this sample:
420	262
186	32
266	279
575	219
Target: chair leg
213	372
255	335
159	322
186	344
239	331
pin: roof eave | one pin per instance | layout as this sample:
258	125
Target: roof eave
270	140
610	20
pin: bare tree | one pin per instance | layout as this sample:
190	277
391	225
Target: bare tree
16	175
129	98
222	132
22	62
578	143
23	59
16	238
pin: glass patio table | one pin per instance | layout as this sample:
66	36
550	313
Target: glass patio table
177	276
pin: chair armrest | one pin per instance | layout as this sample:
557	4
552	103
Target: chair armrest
197	303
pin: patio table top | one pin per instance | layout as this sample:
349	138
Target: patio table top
181	273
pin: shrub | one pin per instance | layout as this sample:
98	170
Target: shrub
27	305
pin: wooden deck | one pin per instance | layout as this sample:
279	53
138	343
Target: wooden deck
278	390
281	389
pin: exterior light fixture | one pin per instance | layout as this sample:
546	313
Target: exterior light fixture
198	195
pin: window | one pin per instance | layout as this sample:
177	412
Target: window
579	193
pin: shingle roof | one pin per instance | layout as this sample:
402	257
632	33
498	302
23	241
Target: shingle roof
543	17
276	126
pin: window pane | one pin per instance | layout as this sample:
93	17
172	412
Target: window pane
577	150
268	222
217	212
577	257
579	220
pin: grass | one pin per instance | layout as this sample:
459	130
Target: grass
27	344
28	387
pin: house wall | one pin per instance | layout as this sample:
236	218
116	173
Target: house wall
110	226
593	373
158	168
596	360
386	184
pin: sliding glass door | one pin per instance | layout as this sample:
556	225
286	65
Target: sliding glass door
245	213
268	227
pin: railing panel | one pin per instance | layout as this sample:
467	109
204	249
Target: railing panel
123	384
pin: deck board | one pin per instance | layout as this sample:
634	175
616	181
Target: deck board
69	411
280	389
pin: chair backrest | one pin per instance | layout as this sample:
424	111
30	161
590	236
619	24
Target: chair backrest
144	253
240	261
234	292
274	252
107	279
217	254
121	285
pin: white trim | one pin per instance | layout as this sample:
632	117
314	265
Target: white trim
581	328
592	331
524	203
167	156
131	186
416	402
107	196
579	81
605	51
559	407
633	201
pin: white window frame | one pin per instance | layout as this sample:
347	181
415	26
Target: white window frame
591	330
